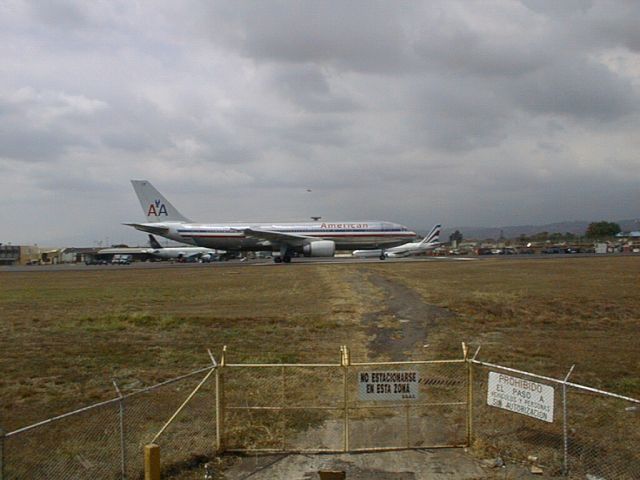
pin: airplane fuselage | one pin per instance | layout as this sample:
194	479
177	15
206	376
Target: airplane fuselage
402	251
232	236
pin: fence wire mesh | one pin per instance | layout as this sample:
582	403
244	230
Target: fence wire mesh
106	441
564	429
282	408
589	434
504	433
188	441
437	417
603	436
81	446
318	408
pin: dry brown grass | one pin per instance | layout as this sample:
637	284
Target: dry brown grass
540	315
64	335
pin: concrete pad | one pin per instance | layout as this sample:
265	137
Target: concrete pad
437	464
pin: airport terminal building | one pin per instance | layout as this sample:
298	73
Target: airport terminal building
35	255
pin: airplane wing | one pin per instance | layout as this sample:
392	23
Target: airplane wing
278	237
122	251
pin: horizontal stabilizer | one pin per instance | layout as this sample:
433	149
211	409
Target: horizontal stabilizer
145	227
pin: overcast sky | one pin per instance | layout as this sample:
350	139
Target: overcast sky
482	113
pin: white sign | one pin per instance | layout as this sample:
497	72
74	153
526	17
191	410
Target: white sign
392	385
520	396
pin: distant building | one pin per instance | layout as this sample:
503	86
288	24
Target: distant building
635	234
9	254
77	255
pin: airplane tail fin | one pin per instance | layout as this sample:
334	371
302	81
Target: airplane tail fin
154	243
155	207
433	236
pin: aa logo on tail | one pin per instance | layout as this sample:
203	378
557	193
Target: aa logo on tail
156	209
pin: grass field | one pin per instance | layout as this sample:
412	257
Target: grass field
65	335
541	315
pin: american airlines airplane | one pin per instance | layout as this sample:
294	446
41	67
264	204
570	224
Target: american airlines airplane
431	241
311	239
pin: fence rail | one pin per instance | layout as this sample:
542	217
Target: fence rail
321	407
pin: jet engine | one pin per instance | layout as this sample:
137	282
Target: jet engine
320	248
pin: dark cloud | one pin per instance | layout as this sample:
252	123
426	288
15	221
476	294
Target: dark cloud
31	145
59	14
616	23
463	115
308	88
564	9
578	88
361	35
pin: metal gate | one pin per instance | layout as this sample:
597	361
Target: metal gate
343	407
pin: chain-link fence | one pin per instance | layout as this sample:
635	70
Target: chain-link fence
560	428
320	408
436	416
106	440
84	444
282	407
555	426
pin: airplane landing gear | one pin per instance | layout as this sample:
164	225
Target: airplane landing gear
382	255
284	257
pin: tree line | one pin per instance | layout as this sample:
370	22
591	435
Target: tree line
595	231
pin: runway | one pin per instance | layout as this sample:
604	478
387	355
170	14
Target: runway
295	262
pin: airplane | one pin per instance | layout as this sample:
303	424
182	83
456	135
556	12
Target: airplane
180	253
429	242
310	239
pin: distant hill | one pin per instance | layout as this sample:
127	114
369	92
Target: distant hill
575	227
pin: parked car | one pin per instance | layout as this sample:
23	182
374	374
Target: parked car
121	259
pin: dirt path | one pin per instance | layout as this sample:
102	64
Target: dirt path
401	322
398	326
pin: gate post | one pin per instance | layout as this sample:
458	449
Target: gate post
220	403
344	362
1	454
151	462
565	429
123	450
465	352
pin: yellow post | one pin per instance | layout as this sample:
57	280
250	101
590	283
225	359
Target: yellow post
345	361
152	462
220	436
